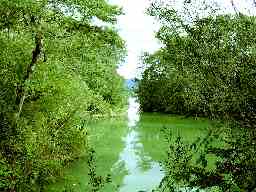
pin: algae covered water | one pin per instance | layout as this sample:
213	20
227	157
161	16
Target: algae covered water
130	149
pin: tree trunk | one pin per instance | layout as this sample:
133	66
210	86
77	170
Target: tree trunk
35	57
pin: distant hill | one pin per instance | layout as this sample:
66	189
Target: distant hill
130	83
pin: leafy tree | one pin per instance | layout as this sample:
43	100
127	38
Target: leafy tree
206	67
56	69
211	66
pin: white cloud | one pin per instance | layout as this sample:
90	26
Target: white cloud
138	29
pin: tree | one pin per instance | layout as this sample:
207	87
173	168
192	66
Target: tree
206	67
55	67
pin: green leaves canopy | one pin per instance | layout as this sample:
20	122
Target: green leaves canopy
73	77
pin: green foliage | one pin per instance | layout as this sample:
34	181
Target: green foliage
206	67
96	182
187	166
209	71
72	76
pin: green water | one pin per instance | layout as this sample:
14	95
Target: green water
130	149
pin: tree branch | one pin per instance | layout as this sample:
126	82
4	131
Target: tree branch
35	57
235	8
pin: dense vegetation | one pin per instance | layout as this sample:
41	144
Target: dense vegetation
209	71
207	68
56	70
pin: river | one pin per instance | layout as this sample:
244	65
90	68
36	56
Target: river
130	149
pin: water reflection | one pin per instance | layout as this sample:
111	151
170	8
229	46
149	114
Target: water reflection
143	173
129	148
133	112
